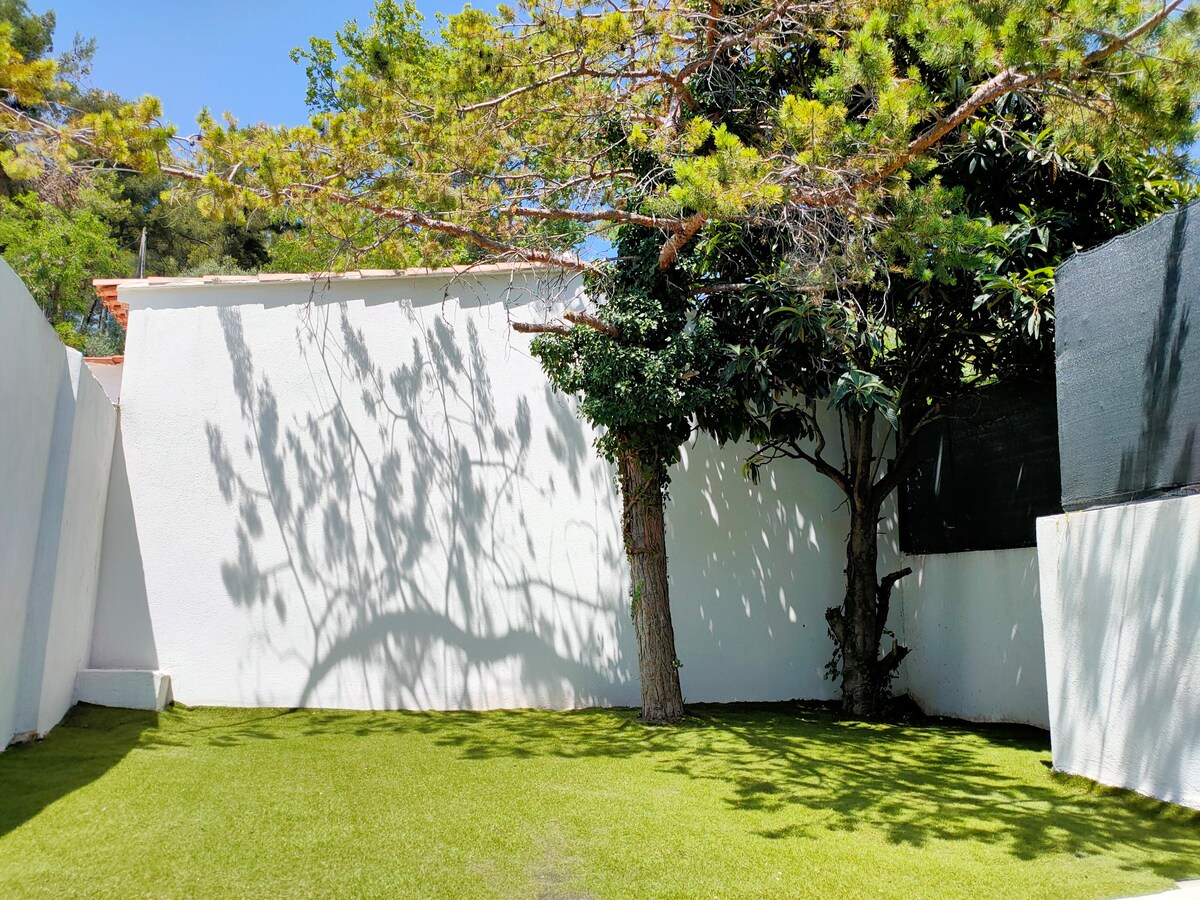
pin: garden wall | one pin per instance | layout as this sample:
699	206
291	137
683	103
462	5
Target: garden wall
55	453
365	494
1121	583
1121	603
974	623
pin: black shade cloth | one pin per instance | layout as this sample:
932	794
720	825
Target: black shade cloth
1128	365
984	475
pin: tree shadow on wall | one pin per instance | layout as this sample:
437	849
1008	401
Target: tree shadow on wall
751	570
1145	467
1132	633
397	511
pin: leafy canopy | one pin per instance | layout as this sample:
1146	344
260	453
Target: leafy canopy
764	155
496	132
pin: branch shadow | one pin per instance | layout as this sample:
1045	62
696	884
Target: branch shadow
753	568
396	513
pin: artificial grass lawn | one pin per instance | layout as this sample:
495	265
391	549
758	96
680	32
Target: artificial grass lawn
749	801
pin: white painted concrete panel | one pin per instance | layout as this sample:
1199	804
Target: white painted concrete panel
54	458
370	501
109	376
33	368
124	688
68	639
1120	590
368	496
973	622
122	633
375	500
753	569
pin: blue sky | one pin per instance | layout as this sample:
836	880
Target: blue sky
224	54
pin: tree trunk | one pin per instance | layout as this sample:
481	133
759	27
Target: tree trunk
857	626
650	603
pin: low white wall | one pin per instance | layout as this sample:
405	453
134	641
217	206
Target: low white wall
368	496
69	605
753	569
55	452
33	373
974	624
1120	590
124	688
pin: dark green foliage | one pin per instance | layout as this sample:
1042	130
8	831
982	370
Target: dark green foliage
645	386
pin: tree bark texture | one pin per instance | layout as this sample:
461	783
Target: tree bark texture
650	602
857	625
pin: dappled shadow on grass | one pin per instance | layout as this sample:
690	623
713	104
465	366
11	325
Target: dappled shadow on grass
810	773
783	772
34	776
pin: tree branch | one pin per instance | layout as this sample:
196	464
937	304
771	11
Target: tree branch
676	242
836	620
887	582
581	318
891	662
577	318
534	328
906	455
1005	82
883	600
792	450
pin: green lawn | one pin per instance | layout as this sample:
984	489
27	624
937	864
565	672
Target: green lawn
739	801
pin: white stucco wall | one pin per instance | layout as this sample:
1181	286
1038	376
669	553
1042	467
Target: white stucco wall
1120	589
33	372
753	569
72	602
55	453
368	496
122	634
109	376
973	621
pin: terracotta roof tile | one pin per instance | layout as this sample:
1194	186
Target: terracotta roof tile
107	291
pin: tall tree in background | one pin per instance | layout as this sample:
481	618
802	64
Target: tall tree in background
60	227
58	253
54	228
691	133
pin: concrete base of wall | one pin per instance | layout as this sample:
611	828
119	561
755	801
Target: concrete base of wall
125	688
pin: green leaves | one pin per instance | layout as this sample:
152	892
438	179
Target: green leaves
645	387
58	253
862	393
729	180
